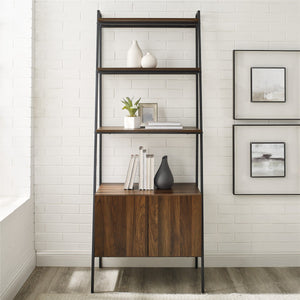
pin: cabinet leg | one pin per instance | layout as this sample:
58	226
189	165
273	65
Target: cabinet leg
92	274
196	262
100	262
202	276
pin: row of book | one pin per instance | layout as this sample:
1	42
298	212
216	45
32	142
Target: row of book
142	164
163	125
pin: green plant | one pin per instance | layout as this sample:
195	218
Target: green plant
132	108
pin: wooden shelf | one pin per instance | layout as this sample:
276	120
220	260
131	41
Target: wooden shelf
122	130
177	189
149	70
149	22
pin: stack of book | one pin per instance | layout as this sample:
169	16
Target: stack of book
145	164
163	125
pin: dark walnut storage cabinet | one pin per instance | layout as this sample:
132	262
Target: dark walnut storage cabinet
159	223
135	223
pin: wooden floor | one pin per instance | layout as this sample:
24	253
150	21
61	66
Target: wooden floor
161	280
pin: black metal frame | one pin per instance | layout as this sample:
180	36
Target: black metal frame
98	110
234	78
251	84
233	157
284	165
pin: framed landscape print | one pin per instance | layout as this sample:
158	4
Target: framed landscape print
266	84
266	159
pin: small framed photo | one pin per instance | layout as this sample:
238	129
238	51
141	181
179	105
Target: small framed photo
148	113
267	159
268	84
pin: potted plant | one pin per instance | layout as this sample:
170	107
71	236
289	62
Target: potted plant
132	120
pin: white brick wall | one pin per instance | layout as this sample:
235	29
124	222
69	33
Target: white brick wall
15	97
65	32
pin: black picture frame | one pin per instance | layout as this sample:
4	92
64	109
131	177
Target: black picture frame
269	143
234	160
234	54
267	68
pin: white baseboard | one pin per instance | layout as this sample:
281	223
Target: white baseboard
253	260
83	259
20	277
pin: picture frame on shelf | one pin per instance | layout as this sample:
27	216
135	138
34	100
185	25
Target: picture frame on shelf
266	159
265	84
148	113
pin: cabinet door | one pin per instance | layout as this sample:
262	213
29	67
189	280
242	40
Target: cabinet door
174	225
120	226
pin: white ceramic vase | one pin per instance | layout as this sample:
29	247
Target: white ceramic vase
149	61
134	55
132	122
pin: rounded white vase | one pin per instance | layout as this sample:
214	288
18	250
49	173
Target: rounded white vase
132	122
149	61
134	55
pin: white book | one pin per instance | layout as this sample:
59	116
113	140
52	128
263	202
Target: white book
129	171
152	172
134	169
164	124
144	169
148	156
141	178
163	127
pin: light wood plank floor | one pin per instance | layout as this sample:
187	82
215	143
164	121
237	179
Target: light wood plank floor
161	280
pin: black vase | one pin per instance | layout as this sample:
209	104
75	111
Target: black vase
164	179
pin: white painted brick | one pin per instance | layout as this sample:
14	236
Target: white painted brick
62	227
47	218
63	104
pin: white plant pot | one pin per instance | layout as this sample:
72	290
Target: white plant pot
132	122
149	61
134	55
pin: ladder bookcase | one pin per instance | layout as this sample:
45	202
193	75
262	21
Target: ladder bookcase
158	223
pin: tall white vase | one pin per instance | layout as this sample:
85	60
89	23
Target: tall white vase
134	55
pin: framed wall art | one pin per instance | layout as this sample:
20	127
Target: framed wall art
266	84
266	159
148	113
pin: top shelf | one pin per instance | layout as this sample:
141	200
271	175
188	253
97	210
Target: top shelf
149	22
149	70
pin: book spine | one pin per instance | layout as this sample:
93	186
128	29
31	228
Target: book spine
148	171
164	124
164	127
136	158
141	178
129	171
152	172
144	169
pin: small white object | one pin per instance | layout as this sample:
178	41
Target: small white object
134	55
145	169
129	171
141	157
149	61
152	172
135	165
132	122
148	183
